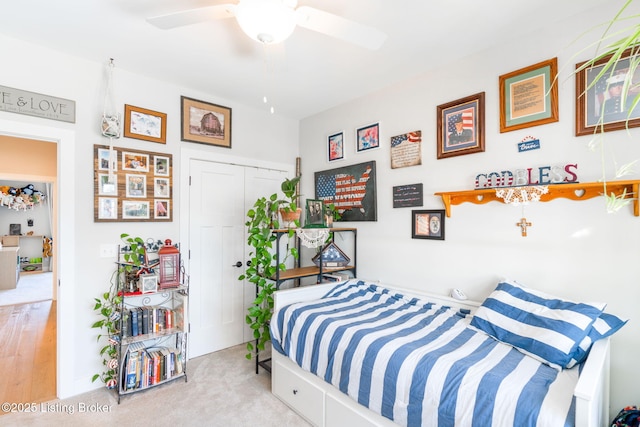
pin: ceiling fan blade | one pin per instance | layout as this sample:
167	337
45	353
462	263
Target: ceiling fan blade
193	16
339	27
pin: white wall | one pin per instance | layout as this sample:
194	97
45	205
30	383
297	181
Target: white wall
574	249
256	135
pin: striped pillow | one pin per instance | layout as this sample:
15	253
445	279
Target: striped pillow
543	326
605	325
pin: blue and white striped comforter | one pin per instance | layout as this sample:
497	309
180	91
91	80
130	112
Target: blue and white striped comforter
420	364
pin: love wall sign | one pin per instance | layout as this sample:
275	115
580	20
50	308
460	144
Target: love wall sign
36	104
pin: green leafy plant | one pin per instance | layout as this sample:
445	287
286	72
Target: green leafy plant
290	189
612	47
108	305
263	263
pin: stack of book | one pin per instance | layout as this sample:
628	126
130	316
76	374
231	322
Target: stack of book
145	367
148	320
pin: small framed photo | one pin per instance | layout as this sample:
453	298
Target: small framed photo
148	283
529	96
427	224
137	162
599	89
335	146
315	213
161	209
107	208
148	125
136	185
205	123
107	187
15	229
161	187
106	156
161	165
461	126
133	209
368	137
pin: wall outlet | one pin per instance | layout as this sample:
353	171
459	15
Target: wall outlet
108	251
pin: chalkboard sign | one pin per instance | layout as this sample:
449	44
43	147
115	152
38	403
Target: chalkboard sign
406	196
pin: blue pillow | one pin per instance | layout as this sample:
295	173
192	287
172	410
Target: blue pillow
605	325
545	327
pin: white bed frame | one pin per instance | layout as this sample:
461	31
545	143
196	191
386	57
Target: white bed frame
324	405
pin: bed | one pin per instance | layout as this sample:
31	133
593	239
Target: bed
361	354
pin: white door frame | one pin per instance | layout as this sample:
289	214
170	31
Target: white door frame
65	249
186	155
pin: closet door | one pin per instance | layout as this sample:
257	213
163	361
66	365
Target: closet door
219	196
216	230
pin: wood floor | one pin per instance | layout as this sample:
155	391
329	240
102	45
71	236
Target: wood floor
28	352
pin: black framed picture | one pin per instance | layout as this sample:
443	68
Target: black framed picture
427	224
351	189
15	229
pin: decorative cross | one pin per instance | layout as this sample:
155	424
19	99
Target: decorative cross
523	224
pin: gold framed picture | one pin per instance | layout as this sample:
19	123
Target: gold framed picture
205	123
148	125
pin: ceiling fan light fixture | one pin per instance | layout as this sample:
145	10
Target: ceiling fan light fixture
266	21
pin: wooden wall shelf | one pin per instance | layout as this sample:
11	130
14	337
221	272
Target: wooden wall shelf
578	191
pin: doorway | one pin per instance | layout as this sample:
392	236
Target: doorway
219	196
29	312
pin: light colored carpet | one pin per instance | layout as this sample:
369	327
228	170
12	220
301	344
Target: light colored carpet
30	288
222	390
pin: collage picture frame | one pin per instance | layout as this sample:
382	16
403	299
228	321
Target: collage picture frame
131	185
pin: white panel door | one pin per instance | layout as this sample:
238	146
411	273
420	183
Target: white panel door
216	236
219	197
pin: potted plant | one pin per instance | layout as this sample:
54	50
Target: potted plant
289	210
262	266
108	307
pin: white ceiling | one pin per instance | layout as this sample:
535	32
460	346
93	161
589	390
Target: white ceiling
309	72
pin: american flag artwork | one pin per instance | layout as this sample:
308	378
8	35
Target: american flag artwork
465	115
351	189
409	137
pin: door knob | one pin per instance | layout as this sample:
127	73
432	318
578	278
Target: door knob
237	264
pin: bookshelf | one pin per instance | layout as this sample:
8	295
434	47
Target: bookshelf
152	339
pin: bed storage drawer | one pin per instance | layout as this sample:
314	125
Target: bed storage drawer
298	393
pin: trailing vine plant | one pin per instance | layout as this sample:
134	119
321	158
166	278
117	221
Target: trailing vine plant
108	305
263	263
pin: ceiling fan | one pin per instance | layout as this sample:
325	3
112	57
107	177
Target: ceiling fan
272	21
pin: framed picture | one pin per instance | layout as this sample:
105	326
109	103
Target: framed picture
161	187
351	189
529	96
148	283
427	224
315	213
368	137
133	183
136	185
406	149
461	126
335	146
106	156
106	187
107	208
15	229
161	209
137	162
133	209
599	104
140	123
205	123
